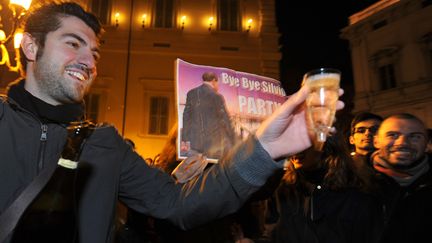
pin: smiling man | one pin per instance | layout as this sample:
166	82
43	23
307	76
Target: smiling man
404	169
401	144
63	72
60	53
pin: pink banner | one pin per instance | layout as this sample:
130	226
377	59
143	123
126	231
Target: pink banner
215	111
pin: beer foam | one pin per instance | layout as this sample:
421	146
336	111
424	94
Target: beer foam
323	76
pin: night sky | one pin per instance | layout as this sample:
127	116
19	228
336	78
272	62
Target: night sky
310	39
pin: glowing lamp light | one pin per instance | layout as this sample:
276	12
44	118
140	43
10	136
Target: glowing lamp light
18	9
210	22
5	55
17	39
143	20
117	16
23	3
249	25
183	21
2	36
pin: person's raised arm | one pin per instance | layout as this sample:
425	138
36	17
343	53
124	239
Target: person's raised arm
285	132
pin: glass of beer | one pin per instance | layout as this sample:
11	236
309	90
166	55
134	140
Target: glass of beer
321	102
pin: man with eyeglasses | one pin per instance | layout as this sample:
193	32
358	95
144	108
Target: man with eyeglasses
363	129
404	174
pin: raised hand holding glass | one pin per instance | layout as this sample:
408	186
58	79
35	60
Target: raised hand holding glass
323	84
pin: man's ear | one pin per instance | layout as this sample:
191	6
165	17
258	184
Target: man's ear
351	140
29	47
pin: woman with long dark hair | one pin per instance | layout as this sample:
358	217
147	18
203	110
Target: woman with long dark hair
324	198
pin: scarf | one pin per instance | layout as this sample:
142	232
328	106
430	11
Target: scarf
45	112
402	176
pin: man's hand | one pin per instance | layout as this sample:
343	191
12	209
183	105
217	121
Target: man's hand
285	132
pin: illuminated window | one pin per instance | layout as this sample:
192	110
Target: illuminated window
228	15
159	114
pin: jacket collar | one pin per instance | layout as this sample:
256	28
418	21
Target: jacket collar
42	110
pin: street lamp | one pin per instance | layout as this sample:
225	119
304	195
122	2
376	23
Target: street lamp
18	9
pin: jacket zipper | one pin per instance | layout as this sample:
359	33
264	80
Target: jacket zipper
43	139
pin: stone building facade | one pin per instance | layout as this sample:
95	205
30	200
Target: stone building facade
391	51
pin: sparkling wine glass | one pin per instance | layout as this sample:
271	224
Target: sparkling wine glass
321	102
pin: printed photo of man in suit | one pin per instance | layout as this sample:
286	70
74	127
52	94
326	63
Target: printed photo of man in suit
207	127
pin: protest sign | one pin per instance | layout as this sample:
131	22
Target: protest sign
211	112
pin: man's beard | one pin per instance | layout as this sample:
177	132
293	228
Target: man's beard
53	83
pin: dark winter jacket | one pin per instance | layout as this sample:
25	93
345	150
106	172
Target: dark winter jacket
408	210
27	145
312	213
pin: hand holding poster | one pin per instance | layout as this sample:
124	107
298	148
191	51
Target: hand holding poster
217	106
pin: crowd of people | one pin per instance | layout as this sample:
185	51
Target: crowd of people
375	188
271	187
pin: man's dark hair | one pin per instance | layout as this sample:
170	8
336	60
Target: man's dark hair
363	116
47	18
209	76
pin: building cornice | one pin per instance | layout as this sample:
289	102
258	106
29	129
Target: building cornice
371	10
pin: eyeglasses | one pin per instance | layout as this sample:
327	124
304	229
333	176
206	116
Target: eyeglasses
363	130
